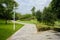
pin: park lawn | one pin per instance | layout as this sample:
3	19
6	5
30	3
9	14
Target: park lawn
57	24
6	30
28	21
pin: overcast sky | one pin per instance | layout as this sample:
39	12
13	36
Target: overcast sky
25	6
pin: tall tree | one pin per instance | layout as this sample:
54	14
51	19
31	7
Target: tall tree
33	12
48	17
39	16
55	7
6	9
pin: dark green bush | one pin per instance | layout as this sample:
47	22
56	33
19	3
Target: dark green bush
43	29
57	29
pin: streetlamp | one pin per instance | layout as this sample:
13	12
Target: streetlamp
14	19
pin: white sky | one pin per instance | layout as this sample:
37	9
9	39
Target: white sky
25	6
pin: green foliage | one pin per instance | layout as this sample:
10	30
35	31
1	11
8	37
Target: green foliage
42	27
18	16
51	13
6	30
55	7
26	17
28	21
33	11
38	16
57	29
6	9
48	17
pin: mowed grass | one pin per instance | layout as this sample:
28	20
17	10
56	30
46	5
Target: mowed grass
6	30
28	21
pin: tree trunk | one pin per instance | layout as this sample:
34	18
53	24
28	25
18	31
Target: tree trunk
6	22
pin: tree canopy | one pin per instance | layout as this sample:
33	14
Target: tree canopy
33	11
6	9
38	15
50	14
55	7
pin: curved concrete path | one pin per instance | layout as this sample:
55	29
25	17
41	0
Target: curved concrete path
26	30
29	32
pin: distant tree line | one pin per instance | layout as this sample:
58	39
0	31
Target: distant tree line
50	14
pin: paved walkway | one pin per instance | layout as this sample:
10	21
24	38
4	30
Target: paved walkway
29	32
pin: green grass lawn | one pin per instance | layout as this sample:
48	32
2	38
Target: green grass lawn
28	21
6	30
57	24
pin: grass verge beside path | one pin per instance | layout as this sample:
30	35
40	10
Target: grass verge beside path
28	21
6	30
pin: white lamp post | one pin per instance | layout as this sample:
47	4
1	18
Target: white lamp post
14	18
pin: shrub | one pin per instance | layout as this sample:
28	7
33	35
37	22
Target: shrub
57	29
41	27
